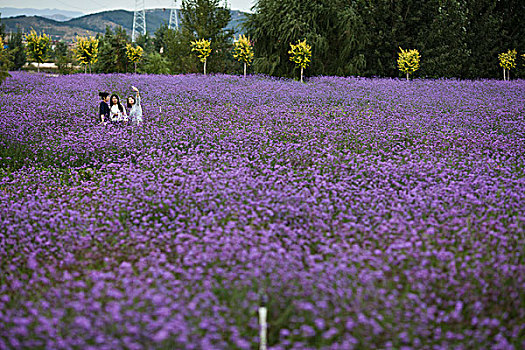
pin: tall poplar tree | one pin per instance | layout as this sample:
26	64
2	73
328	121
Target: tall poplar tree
207	19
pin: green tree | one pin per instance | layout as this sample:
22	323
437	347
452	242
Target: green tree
17	50
37	47
4	62
146	42
483	40
64	58
61	49
207	19
175	49
334	29
155	63
112	51
512	33
459	38
162	38
443	38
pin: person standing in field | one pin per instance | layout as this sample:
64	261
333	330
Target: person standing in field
103	110
117	112
135	112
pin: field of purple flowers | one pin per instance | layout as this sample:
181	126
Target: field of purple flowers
373	213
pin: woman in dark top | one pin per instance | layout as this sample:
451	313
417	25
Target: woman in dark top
103	111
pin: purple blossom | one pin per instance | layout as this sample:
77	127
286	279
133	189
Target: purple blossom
372	213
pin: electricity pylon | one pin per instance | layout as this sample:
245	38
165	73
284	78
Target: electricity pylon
139	20
174	20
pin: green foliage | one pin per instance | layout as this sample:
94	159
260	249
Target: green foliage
112	51
162	38
65	64
155	63
444	38
64	58
61	49
334	29
37	46
145	41
4	62
483	39
207	19
17	50
175	50
408	61
86	50
512	30
459	38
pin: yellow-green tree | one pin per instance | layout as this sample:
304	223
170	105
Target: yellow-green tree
203	48
86	50
507	61
243	51
134	54
408	61
300	54
37	47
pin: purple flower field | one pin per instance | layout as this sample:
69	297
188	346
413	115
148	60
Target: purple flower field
373	213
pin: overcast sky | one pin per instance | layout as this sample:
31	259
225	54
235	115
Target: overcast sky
90	6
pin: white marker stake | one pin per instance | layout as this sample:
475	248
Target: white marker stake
160	109
262	323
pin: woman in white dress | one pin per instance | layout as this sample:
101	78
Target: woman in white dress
135	109
117	112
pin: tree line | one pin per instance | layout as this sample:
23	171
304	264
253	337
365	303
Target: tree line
453	38
456	38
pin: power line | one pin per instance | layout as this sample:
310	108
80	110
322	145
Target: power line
69	5
83	9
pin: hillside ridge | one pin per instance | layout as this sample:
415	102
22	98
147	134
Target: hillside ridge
95	23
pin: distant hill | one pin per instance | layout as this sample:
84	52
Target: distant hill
56	14
57	30
96	23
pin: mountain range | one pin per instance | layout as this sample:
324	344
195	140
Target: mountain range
95	23
55	14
